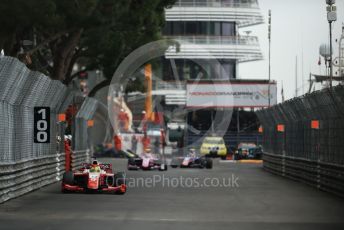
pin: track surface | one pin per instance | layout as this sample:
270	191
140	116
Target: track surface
262	201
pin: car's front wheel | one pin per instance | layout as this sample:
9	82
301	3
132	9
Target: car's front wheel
120	181
68	178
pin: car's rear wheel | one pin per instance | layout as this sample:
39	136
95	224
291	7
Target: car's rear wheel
209	163
163	167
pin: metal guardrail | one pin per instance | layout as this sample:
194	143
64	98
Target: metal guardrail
324	176
19	178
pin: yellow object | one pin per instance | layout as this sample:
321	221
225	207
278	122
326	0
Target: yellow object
213	146
95	169
251	161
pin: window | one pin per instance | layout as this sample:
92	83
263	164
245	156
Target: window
228	29
228	70
217	28
190	28
200	28
177	28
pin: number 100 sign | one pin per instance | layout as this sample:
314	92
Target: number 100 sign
42	124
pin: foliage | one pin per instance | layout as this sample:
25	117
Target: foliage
96	34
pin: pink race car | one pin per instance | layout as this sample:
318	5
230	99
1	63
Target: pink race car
94	177
146	161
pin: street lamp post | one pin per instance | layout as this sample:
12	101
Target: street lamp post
269	37
331	17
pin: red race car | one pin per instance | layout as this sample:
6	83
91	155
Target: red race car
94	177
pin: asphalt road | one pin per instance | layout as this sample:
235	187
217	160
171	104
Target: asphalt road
254	199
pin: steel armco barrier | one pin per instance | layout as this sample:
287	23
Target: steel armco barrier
22	177
312	155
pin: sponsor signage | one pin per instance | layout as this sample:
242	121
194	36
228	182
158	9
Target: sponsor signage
230	95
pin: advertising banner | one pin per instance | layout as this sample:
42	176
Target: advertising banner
230	95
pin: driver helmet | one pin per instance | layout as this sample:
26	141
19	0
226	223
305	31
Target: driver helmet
95	166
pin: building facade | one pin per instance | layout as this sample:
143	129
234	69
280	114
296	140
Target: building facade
208	30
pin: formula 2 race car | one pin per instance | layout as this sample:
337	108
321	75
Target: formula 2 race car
146	161
94	177
192	160
248	151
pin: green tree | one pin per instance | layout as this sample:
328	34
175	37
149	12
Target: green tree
52	35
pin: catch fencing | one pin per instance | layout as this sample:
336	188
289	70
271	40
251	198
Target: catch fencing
25	165
303	139
82	134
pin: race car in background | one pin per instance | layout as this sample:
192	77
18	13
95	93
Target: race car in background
192	160
146	161
94	177
248	151
213	147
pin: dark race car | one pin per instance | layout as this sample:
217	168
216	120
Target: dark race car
192	160
248	151
146	161
94	177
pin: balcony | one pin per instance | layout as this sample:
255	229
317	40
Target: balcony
217	3
244	13
240	48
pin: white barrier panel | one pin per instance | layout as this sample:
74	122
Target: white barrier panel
230	94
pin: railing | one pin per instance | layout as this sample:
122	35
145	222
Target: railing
19	178
324	176
218	3
217	40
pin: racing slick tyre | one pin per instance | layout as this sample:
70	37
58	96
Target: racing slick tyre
68	178
131	161
120	180
163	167
209	163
